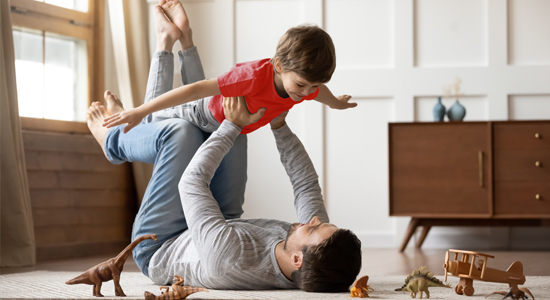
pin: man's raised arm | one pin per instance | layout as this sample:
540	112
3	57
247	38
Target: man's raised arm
217	243
308	199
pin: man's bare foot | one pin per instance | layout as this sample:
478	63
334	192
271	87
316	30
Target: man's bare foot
167	32
176	13
114	105
95	115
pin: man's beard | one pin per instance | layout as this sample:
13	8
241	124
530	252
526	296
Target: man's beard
291	230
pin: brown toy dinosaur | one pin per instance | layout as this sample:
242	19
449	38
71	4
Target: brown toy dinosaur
515	293
178	291
360	288
108	270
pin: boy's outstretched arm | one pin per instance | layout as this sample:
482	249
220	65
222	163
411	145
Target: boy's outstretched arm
178	96
326	97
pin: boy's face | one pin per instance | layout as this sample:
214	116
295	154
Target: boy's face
294	85
297	87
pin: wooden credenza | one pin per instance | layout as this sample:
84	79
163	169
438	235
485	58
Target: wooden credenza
469	174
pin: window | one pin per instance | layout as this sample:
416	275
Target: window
58	57
81	5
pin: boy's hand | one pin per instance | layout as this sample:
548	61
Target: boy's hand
131	116
235	110
279	121
343	102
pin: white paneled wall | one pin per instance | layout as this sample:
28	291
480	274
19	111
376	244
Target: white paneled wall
356	173
528	32
394	57
443	28
521	107
363	36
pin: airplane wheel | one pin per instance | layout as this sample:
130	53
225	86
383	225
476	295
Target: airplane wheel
468	290
458	289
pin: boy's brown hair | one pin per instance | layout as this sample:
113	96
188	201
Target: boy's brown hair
308	51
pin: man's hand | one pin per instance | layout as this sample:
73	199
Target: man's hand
235	110
279	121
131	116
343	102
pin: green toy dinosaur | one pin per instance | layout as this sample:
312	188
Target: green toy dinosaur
419	281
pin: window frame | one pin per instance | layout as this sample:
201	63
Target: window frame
88	26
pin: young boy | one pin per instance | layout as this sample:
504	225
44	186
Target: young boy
304	60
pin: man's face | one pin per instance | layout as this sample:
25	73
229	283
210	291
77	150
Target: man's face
309	234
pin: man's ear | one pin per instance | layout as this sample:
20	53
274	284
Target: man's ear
296	259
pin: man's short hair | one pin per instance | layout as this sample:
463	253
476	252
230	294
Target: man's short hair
308	51
331	266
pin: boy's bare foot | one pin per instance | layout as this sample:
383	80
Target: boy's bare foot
176	13
114	105
167	32
95	115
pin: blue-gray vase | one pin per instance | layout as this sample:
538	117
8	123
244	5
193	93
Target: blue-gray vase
456	112
439	111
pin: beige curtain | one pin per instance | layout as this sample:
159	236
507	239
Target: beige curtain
17	246
129	29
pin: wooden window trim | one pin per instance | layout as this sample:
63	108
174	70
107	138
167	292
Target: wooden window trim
84	18
48	125
88	26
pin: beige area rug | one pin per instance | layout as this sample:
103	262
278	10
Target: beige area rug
51	285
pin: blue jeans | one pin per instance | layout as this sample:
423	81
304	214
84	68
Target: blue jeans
170	144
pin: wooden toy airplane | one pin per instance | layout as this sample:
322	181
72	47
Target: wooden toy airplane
467	271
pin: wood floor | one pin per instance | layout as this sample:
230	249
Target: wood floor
376	262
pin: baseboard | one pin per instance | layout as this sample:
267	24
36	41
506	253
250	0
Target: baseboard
457	238
376	240
488	238
524	238
479	238
72	250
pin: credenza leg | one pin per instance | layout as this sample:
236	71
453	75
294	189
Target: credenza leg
425	230
410	231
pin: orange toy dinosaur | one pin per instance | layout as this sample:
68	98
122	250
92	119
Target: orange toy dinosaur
108	270
360	288
178	291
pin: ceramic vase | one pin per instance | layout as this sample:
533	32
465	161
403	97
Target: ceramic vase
456	112
439	111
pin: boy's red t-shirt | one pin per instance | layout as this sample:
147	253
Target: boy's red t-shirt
254	81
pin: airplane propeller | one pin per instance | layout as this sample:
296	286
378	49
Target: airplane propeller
446	264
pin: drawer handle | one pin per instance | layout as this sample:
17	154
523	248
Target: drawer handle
538	164
537	136
480	161
538	197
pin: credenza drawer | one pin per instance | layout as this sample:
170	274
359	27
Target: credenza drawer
522	136
522	197
522	165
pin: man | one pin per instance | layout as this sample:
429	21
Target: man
200	234
236	253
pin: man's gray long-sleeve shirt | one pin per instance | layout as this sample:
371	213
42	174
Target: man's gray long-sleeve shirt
240	253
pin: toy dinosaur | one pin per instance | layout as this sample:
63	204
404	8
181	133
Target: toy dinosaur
419	281
360	288
178	291
108	270
514	293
